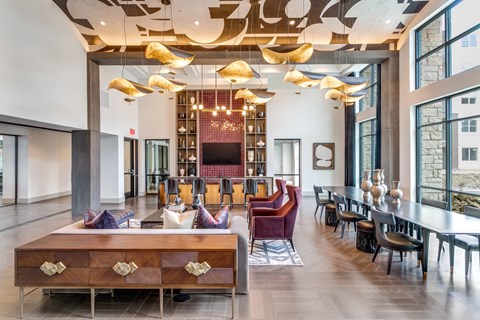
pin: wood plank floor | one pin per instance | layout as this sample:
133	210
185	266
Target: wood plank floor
336	282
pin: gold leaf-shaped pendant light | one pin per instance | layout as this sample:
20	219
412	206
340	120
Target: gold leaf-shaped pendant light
348	99
294	53
238	72
304	79
169	56
130	88
346	85
255	96
161	82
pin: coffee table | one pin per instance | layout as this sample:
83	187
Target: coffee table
155	220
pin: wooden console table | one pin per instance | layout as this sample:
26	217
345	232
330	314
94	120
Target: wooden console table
134	261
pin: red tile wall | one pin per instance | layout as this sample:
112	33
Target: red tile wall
221	128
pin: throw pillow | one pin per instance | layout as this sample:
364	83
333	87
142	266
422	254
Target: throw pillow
205	220
88	216
103	220
175	220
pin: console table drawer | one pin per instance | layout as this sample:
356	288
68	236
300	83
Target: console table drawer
33	259
35	277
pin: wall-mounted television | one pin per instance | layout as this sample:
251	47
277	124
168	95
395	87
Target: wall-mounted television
222	153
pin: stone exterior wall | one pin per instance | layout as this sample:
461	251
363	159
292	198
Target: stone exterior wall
432	68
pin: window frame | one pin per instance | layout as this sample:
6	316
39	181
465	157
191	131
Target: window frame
373	138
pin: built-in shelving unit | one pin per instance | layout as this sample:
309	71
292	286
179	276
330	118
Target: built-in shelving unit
187	137
256	142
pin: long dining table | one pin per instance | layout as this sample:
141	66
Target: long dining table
429	219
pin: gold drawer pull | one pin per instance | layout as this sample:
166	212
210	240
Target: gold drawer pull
123	268
196	268
50	268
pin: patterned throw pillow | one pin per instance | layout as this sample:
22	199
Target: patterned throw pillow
175	220
103	220
205	220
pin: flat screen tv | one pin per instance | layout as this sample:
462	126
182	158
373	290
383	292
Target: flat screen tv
221	153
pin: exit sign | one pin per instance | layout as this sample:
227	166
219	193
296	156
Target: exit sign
132	131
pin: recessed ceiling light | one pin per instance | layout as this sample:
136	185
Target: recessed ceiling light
388	21
196	22
292	22
103	23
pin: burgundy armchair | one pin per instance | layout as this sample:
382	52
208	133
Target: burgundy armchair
276	224
275	201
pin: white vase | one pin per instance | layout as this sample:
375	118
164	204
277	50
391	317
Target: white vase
182	172
382	183
250	155
366	184
250	171
250	128
376	189
395	192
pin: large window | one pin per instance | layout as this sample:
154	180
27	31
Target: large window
368	146
448	165
447	43
371	97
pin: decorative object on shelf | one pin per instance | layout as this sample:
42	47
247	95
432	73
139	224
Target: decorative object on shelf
182	129
366	184
324	156
177	200
192	145
261	169
130	88
182	115
260	143
260	114
192	115
192	158
395	192
295	53
250	171
304	79
262	157
192	170
382	183
255	96
250	143
167	84
376	189
250	155
183	143
192	100
258	129
169	56
182	172
238	72
250	128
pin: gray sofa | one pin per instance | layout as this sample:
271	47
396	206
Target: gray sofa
237	225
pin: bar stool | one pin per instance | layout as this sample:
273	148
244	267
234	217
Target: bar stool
171	187
226	188
250	187
199	188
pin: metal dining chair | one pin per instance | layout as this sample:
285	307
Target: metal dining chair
321	203
226	188
345	216
250	187
467	242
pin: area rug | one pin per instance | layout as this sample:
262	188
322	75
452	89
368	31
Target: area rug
274	253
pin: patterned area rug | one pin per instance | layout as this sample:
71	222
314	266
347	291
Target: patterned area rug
274	253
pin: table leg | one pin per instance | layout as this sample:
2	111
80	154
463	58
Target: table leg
426	241
22	297
161	302
451	248
233	303
92	302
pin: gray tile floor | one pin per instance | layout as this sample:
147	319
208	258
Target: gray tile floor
336	282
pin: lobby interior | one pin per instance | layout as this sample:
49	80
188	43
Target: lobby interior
59	57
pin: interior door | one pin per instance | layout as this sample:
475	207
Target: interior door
130	168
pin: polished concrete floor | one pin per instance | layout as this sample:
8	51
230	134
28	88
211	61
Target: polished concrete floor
336	282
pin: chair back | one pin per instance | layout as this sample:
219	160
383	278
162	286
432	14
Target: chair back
171	186
250	186
278	196
339	201
434	203
291	209
471	212
381	219
318	190
198	186
226	185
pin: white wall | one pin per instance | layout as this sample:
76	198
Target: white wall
409	97
111	183
311	118
43	66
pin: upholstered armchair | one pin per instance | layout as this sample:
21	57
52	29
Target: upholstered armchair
276	224
275	201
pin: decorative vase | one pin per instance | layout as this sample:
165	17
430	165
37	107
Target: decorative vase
260	170
192	158
192	99
182	129
366	184
182	172
250	155
260	143
376	189
196	201
192	115
382	183
250	171
250	128
395	192
192	170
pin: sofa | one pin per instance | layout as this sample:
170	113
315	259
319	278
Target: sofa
236	225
